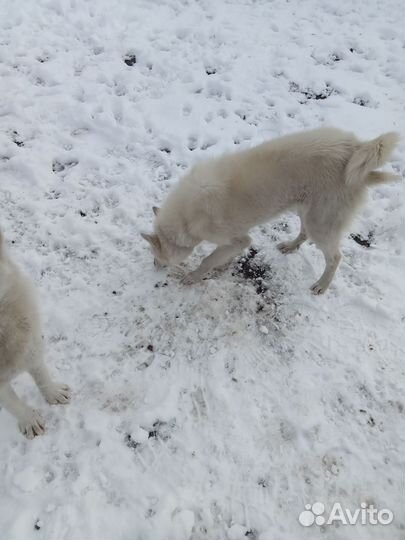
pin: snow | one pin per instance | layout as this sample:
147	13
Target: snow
188	420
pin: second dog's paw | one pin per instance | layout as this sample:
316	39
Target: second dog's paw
32	425
58	394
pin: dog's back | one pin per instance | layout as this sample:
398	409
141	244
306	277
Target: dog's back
324	171
247	188
232	193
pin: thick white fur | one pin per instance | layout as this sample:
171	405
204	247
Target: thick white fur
21	347
321	174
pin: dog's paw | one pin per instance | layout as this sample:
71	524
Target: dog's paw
190	278
186	278
286	247
32	425
177	272
58	394
319	287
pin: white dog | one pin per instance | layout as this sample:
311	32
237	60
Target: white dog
21	347
322	174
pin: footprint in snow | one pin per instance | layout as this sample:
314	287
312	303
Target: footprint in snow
59	166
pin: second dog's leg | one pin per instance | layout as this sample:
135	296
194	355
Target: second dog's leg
53	392
29	420
288	247
220	256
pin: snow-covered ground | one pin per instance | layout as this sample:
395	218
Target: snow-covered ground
215	411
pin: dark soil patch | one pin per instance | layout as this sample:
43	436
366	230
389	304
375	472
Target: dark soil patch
364	242
17	139
253	270
308	93
161	284
161	430
130	59
58	166
360	101
129	441
371	421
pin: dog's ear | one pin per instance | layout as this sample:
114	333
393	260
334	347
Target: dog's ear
153	239
155	210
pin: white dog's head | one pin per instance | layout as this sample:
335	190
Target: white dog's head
165	252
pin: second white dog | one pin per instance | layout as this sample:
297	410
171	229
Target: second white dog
323	174
21	347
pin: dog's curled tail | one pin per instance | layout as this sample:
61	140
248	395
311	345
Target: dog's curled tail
368	156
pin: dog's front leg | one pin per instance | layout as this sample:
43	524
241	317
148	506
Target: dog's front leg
220	256
30	421
53	392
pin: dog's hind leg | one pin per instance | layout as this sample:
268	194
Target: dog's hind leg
220	256
54	393
288	247
332	256
325	223
30	421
